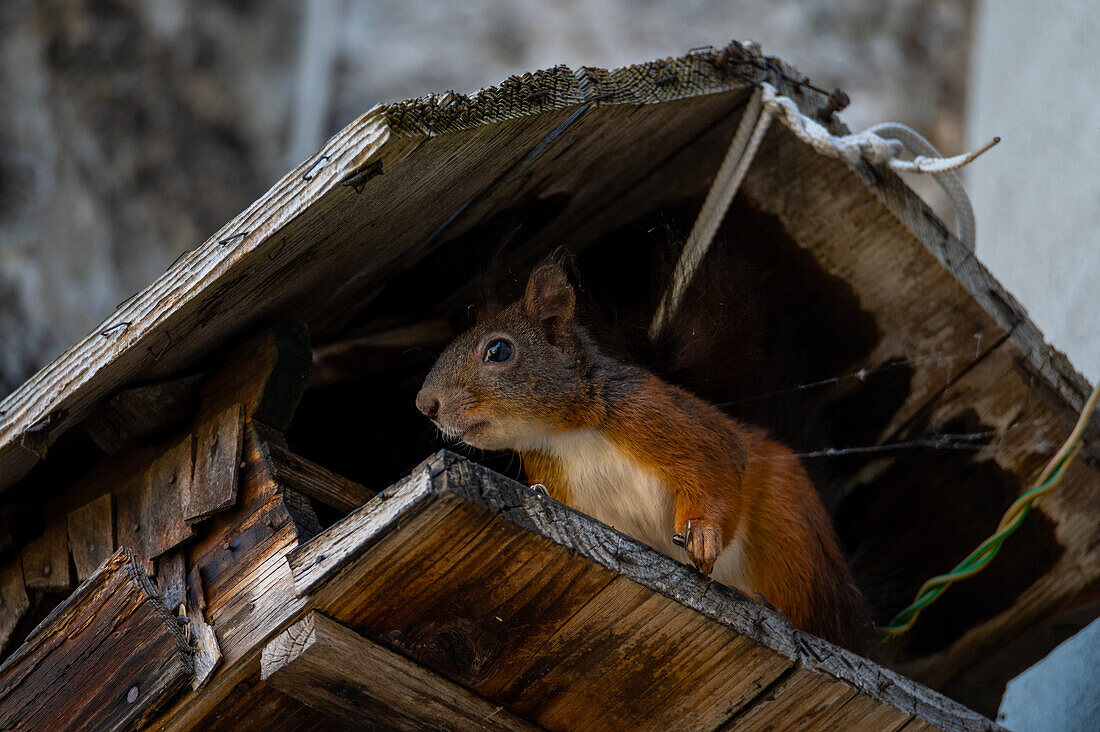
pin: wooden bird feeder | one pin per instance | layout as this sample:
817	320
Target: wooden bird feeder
217	512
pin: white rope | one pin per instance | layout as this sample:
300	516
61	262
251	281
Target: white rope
880	144
750	131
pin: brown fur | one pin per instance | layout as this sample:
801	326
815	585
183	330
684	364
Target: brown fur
723	479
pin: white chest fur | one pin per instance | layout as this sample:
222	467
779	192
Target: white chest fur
612	487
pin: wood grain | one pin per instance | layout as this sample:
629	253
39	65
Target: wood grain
558	617
106	658
218	444
150	510
13	598
339	673
46	561
92	534
133	414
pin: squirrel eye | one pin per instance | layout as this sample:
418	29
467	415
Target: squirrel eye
498	351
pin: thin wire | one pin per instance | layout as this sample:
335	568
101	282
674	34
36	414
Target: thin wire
977	560
862	375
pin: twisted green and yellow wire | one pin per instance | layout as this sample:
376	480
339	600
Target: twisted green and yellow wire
977	560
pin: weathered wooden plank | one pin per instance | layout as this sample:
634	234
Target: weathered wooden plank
141	411
1048	568
184	599
240	584
421	563
340	673
208	654
150	510
13	598
313	480
92	534
46	561
860	712
634	644
106	658
803	701
172	580
217	459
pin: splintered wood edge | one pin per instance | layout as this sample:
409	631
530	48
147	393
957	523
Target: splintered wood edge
122	561
447	474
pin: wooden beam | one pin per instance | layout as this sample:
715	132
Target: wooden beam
92	534
309	478
133	414
106	658
339	673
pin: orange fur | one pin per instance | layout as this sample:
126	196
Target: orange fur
646	456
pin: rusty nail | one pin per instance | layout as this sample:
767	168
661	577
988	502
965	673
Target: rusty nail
243	465
228	546
47	569
132	695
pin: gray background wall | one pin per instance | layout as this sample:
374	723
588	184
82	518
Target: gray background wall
131	129
1037	198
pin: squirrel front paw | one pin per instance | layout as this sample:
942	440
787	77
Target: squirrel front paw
703	543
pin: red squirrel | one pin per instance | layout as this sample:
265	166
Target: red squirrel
644	456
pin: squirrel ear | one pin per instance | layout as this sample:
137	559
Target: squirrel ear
549	295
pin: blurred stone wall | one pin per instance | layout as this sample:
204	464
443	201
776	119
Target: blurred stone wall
131	129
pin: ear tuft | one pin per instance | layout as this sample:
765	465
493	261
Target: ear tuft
549	295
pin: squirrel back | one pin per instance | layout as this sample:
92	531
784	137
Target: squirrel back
644	456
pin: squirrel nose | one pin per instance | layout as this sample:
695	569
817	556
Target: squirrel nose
428	405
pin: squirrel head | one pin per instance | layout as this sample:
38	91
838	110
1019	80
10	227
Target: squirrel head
516	377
